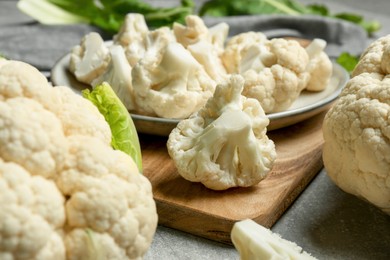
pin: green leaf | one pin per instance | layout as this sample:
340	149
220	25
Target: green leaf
124	133
288	7
348	61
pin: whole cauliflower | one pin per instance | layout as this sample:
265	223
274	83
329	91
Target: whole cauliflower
357	130
65	193
224	144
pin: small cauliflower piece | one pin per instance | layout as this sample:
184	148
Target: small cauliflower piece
118	75
320	67
207	55
242	47
255	242
357	130
194	31
206	45
168	81
224	144
89	59
131	37
274	70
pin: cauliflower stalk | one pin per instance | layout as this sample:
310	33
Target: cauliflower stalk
224	144
255	242
356	129
65	193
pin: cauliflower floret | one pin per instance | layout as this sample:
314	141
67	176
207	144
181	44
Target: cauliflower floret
168	81
194	31
319	67
376	58
31	136
207	55
276	71
88	179
31	215
89	59
279	75
131	37
224	144
244	45
118	75
205	45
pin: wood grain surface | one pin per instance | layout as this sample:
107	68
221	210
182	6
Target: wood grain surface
193	208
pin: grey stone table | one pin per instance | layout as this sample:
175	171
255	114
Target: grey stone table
325	221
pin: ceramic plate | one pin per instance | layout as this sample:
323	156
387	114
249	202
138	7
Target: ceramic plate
307	105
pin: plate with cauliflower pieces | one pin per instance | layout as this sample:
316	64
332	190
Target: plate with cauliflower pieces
165	75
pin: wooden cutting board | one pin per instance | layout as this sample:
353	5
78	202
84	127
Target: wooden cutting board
193	208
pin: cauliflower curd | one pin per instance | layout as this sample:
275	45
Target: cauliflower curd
65	193
357	129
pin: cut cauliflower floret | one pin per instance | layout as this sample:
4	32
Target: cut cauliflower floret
31	215
89	59
206	45
243	46
118	75
168	81
357	130
65	193
224	144
277	71
131	37
320	67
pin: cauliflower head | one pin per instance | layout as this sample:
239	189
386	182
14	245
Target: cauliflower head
224	144
168	81
65	193
357	133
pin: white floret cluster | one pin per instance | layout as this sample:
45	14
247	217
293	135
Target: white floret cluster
171	73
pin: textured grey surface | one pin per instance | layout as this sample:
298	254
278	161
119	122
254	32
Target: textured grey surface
325	221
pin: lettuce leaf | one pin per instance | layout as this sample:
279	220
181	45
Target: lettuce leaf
124	133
